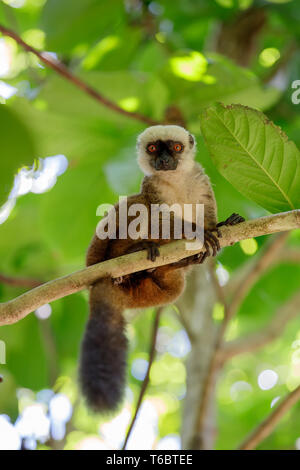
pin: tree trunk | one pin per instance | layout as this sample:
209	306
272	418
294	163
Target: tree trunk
196	305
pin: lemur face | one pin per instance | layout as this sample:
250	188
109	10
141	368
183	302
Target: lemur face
164	155
165	149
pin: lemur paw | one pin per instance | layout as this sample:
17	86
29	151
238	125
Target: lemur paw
152	250
234	219
211	242
151	247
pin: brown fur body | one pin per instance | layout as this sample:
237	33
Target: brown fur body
164	284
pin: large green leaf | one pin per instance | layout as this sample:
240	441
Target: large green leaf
254	155
16	149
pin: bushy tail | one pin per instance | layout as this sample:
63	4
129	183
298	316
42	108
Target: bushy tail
102	369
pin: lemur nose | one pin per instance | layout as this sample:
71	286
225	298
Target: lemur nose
165	157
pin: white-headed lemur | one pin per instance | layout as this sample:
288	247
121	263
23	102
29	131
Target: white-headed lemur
166	157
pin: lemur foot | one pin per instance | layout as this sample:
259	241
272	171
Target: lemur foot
151	247
199	258
211	242
234	219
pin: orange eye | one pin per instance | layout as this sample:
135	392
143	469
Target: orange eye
177	147
151	148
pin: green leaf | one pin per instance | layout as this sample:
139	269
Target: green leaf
254	155
73	22
16	149
193	85
20	350
68	212
63	119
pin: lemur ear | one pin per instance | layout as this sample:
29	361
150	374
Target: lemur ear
191	141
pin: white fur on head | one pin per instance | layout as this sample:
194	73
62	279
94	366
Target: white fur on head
170	132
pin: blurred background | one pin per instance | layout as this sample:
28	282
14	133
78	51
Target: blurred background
62	154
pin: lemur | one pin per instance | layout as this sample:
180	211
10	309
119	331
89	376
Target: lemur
166	157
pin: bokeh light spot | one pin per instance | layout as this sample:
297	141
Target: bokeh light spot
43	312
225	3
191	67
240	390
10	439
274	401
130	104
269	56
267	379
249	246
139	368
218	312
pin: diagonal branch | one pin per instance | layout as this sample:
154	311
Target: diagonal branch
62	70
14	310
147	376
267	426
259	339
289	255
246	279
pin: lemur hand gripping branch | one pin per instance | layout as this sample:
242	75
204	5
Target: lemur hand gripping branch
166	157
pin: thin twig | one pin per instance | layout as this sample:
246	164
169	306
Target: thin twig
221	296
267	426
62	70
266	335
19	282
16	309
48	341
181	318
147	376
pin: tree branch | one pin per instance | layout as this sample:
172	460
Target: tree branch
245	280
267	426
14	310
289	255
258	340
62	70
147	376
